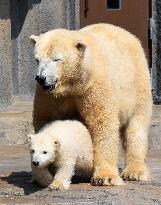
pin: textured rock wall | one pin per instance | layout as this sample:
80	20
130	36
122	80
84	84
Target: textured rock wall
156	50
31	17
18	20
6	85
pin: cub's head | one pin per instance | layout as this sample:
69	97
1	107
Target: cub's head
42	149
59	54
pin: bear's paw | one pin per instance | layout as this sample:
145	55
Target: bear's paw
136	173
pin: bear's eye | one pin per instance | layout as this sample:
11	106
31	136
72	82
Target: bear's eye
44	152
32	150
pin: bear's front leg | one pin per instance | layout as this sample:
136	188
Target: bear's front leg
100	114
106	155
41	176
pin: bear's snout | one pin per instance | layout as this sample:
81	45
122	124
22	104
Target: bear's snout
40	79
46	86
35	163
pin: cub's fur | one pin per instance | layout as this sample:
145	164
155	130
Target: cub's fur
59	151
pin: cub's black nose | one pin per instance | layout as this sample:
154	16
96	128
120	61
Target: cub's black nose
35	163
40	79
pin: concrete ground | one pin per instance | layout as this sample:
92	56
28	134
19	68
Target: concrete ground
15	173
16	186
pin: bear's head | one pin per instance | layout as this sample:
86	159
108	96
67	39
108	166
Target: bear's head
59	54
43	149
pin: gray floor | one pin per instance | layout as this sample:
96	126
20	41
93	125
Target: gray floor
16	186
15	172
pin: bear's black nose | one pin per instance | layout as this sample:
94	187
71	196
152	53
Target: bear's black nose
35	163
40	79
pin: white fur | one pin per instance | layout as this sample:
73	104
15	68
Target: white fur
69	147
48	68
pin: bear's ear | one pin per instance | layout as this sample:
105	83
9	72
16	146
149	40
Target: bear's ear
80	46
34	38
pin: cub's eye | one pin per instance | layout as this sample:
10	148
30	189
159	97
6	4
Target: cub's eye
44	152
32	150
57	59
37	61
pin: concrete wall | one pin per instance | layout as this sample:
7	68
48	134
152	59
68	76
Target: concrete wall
156	51
18	20
31	17
21	18
6	83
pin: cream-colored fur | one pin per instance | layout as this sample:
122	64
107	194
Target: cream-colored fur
102	79
69	150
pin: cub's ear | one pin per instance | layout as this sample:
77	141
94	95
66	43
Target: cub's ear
57	143
28	140
34	38
81	46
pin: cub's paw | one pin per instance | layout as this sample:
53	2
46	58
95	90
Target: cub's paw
59	185
114	180
136	174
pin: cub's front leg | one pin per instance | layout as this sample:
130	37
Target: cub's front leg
41	176
64	173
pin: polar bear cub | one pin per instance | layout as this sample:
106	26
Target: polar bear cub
60	150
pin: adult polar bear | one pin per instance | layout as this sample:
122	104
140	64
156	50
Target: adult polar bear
98	74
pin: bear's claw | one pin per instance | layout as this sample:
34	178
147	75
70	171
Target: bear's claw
109	181
136	175
97	181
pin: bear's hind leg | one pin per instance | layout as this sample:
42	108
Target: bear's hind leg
136	145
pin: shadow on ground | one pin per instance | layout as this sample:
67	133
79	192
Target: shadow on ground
23	181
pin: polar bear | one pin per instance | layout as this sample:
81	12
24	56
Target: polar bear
61	148
99	75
